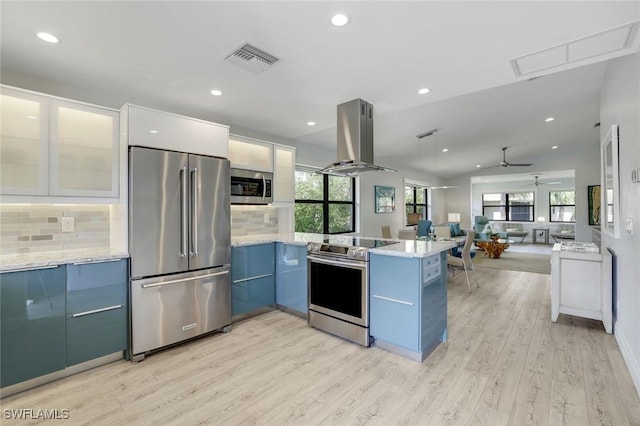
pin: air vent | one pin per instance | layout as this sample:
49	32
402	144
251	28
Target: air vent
602	45
251	58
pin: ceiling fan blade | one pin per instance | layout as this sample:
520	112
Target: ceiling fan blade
554	183
521	164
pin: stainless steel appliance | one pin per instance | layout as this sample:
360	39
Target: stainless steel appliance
338	283
180	246
355	140
251	187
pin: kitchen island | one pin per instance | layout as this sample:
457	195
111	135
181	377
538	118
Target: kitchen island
407	294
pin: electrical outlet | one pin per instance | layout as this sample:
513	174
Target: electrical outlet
266	218
68	224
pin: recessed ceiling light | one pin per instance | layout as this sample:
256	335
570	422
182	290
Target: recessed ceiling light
424	91
477	165
554	147
549	119
311	123
49	38
216	92
339	20
32	117
445	149
153	131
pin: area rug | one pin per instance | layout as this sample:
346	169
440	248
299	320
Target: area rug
527	262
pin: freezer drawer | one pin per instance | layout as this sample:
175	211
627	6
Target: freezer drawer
166	310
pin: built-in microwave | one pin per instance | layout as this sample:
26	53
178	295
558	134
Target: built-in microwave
251	187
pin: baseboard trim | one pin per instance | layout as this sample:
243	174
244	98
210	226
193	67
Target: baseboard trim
627	355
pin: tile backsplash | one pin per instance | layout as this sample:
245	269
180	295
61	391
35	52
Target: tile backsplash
38	228
250	220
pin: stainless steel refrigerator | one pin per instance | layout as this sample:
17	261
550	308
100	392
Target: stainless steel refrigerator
180	247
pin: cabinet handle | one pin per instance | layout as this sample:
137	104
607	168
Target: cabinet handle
29	268
392	300
88	262
95	311
182	280
252	278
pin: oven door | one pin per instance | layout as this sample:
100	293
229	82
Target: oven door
339	288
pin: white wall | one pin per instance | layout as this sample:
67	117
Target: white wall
370	223
584	160
620	104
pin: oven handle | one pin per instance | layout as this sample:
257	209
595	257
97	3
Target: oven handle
317	259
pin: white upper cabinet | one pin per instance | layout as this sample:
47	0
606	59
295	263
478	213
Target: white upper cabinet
250	154
163	130
83	150
284	174
54	147
24	143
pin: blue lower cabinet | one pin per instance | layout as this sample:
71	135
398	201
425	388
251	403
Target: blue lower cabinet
96	321
291	277
253	283
408	302
394	300
251	294
32	326
91	336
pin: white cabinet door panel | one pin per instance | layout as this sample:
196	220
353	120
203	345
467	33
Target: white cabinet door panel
163	130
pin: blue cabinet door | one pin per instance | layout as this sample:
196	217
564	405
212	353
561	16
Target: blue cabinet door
395	300
251	294
252	261
291	277
96	321
252	277
32	326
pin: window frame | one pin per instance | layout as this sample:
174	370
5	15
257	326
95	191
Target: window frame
562	205
507	206
325	203
415	204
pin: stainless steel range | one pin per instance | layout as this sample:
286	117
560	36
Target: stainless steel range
338	281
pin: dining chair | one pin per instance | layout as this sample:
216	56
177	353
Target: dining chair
386	232
464	261
423	227
407	234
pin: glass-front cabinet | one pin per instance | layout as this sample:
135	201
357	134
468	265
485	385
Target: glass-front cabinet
83	150
24	143
55	147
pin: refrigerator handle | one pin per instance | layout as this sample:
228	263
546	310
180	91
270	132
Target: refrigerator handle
264	187
194	212
183	212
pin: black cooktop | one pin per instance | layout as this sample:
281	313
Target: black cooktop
366	242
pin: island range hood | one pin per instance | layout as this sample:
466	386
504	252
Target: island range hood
355	141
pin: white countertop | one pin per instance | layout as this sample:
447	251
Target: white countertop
58	257
404	248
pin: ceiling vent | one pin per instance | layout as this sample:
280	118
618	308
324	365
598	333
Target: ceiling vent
251	58
600	45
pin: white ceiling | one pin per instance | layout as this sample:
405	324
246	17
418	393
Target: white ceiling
169	55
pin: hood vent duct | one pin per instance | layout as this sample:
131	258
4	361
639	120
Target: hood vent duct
355	141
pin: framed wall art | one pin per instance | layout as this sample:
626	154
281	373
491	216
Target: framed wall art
593	198
385	199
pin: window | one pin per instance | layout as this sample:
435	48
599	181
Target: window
562	206
416	201
324	203
514	206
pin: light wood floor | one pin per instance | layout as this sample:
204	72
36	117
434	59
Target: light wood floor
505	364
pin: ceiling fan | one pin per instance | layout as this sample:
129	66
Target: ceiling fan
537	183
505	163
